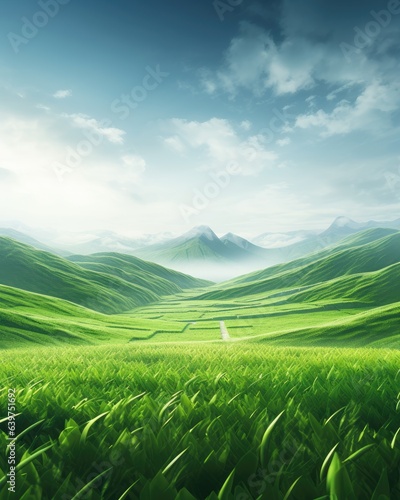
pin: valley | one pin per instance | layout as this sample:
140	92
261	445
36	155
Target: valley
138	381
346	294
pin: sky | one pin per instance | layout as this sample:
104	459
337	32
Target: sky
250	117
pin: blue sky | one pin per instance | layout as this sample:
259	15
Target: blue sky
246	116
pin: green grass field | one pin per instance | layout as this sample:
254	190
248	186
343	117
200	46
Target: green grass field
205	421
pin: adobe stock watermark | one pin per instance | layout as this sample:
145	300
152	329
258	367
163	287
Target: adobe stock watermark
126	103
393	181
276	124
221	7
12	435
203	197
94	481
122	107
258	481
365	37
102	471
48	9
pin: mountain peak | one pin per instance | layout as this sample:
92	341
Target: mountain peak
241	243
205	231
343	221
229	236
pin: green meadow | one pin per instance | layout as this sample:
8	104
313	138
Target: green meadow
215	421
126	390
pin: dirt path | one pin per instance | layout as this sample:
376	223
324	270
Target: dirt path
224	332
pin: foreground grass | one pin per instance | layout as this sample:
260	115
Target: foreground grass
204	421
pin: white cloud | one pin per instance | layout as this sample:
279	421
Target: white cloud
255	62
62	94
245	125
370	111
218	144
134	167
307	53
332	95
135	162
43	107
284	142
175	144
100	128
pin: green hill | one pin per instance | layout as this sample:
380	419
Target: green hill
378	327
29	318
28	240
356	240
377	288
137	271
365	258
24	267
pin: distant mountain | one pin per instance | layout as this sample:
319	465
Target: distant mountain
343	226
28	240
24	267
200	243
305	242
106	241
200	252
231	240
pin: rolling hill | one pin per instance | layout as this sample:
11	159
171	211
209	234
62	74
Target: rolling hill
24	267
28	240
369	257
378	328
137	271
28	318
351	242
373	288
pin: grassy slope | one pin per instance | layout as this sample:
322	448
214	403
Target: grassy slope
378	327
28	240
103	289
138	271
377	288
22	266
29	318
366	258
359	239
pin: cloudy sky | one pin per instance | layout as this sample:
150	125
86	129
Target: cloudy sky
158	116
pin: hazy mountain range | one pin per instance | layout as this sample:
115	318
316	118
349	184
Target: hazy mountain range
200	252
42	294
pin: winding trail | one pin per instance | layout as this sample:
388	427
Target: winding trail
224	332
